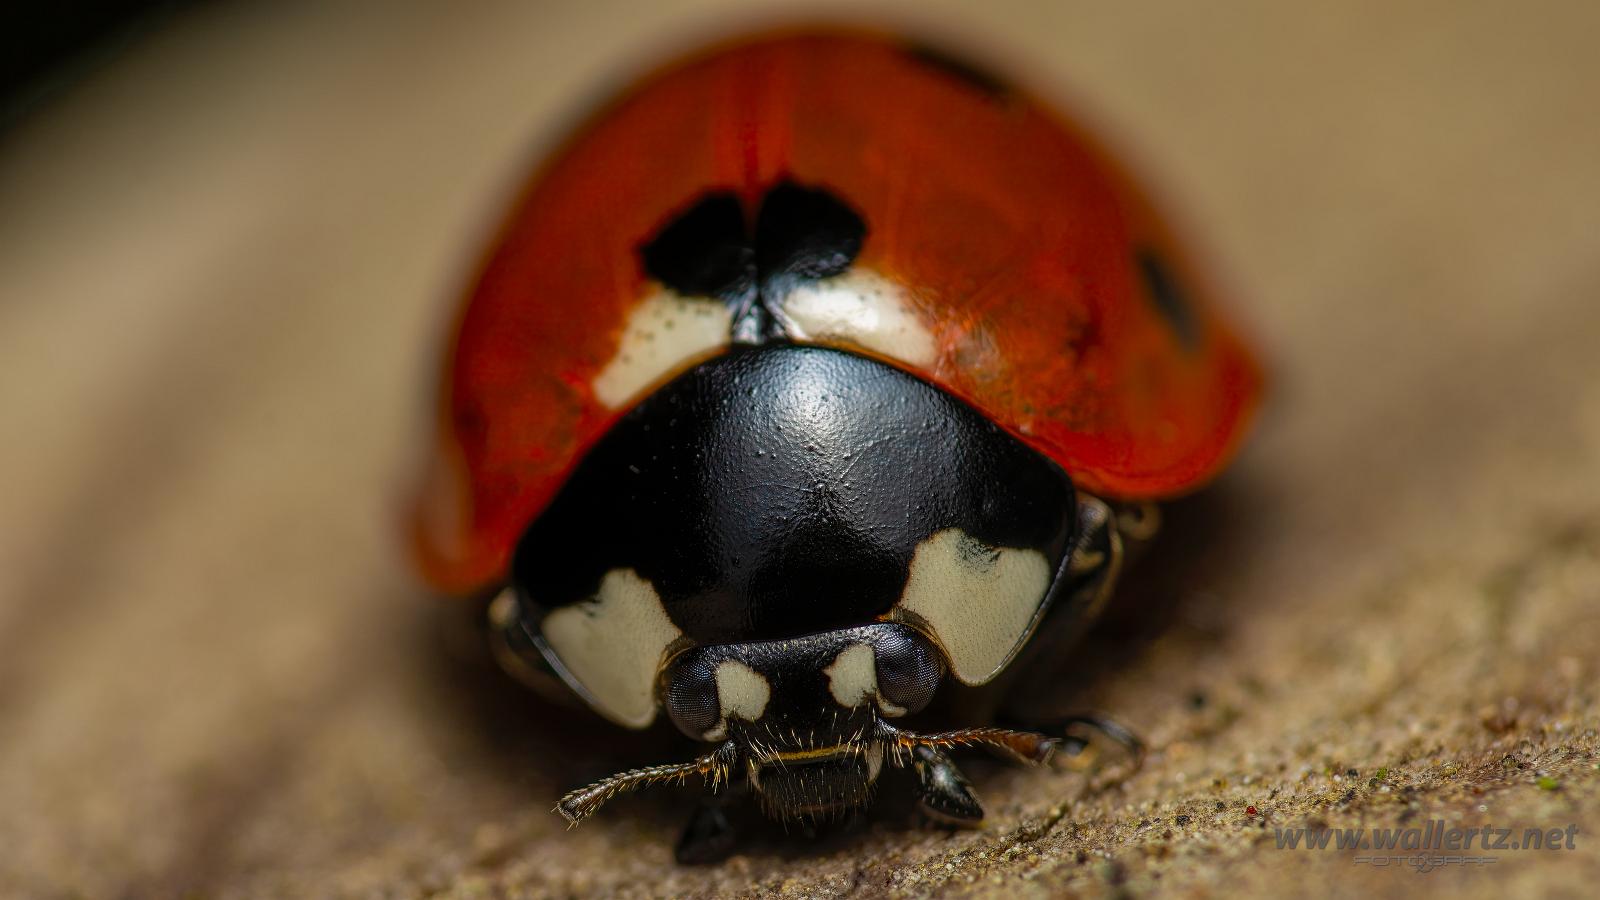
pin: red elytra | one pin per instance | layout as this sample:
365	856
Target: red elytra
1016	239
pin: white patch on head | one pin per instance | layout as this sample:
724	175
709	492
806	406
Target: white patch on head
613	646
743	691
874	760
853	676
860	308
665	334
980	601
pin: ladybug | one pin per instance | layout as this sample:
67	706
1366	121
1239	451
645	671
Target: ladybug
815	375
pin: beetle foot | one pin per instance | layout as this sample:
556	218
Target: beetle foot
1138	522
1078	751
709	837
1078	754
943	792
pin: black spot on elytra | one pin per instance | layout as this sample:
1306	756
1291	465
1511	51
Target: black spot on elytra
804	234
704	250
960	69
471	425
800	234
1168	297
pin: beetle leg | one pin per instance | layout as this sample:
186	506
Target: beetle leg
517	655
1104	538
1073	746
710	834
943	792
1138	522
1095	563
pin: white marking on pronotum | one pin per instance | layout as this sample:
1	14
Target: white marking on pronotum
979	600
665	334
861	308
853	677
613	645
743	691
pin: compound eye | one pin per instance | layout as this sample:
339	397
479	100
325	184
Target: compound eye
909	671
692	701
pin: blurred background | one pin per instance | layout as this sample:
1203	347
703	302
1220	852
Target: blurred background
232	235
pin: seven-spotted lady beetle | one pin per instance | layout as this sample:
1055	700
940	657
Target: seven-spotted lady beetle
813	374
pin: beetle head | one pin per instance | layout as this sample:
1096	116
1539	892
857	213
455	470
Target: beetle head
805	712
804	720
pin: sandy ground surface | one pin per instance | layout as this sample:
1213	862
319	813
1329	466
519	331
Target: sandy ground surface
225	263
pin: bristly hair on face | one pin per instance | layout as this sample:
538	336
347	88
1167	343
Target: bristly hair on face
716	767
